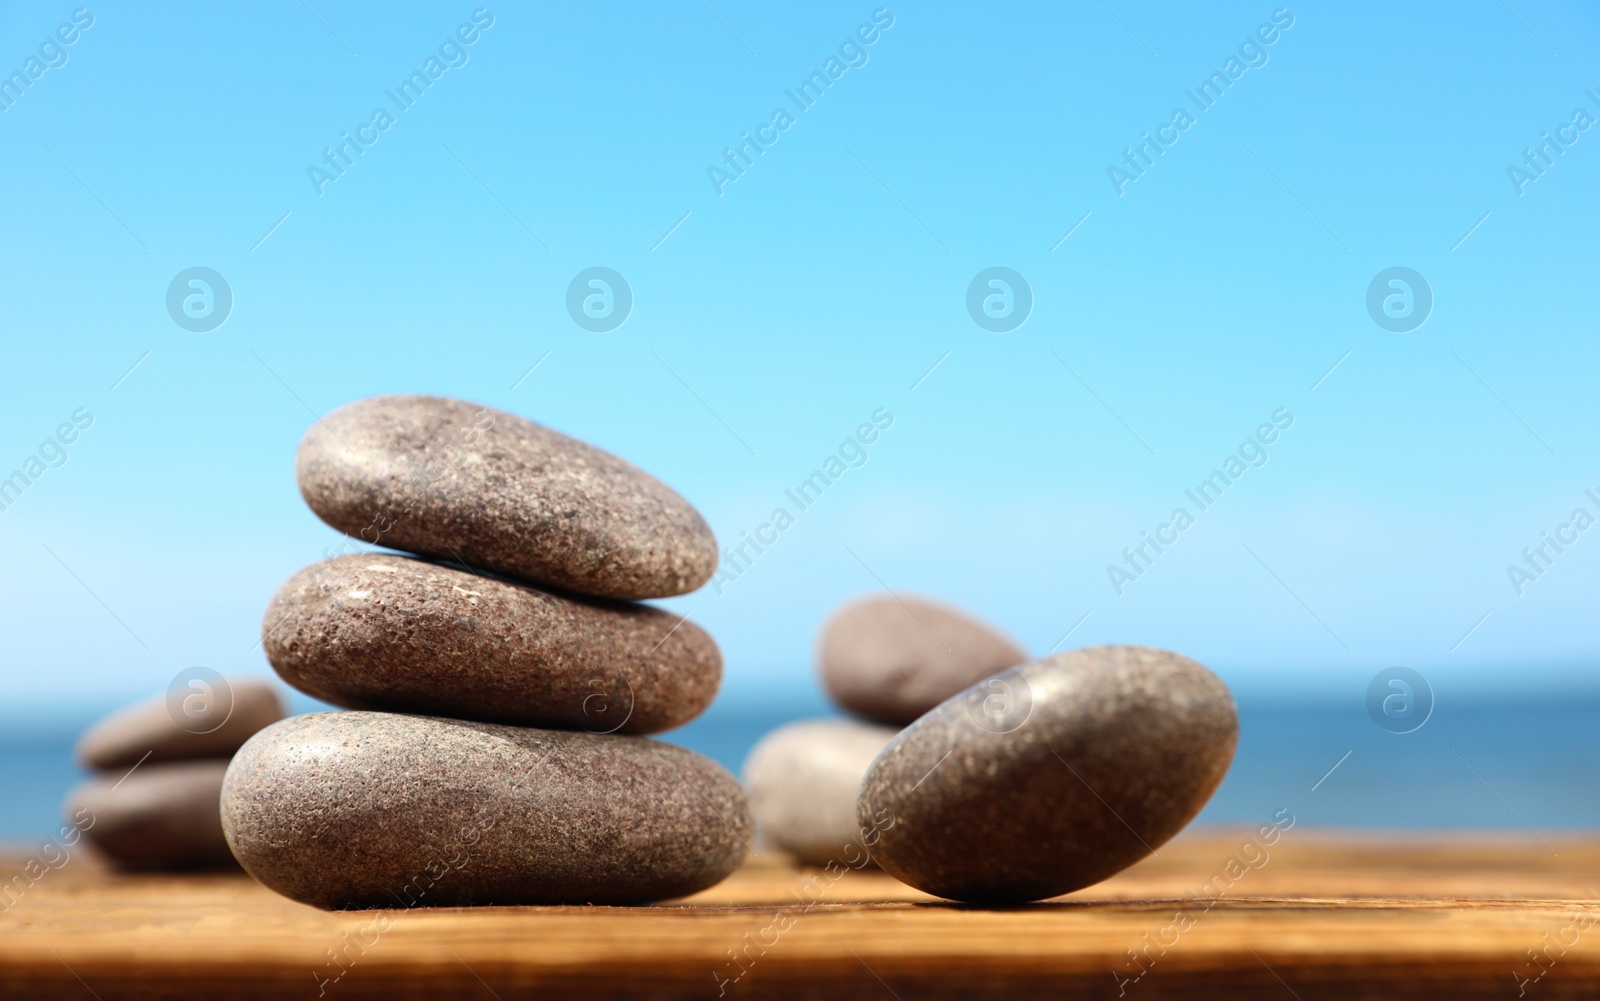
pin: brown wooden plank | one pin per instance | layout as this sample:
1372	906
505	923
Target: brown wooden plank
1322	915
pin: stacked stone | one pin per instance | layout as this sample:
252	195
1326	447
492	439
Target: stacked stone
886	660
153	804
500	684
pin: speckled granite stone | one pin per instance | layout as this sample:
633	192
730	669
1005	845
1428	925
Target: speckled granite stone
893	660
122	739
457	481
380	810
803	779
392	633
159	817
1051	777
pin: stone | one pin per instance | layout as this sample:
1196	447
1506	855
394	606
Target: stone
892	660
1052	776
803	780
398	634
363	809
157	817
205	721
456	481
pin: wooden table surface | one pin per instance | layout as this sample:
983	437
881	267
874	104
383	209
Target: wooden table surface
1317	915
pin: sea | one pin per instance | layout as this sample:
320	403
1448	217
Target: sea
1528	767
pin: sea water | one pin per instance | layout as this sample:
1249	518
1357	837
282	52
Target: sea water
1527	767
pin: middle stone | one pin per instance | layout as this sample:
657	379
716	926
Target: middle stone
401	635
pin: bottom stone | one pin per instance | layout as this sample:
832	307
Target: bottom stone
364	809
156	817
803	779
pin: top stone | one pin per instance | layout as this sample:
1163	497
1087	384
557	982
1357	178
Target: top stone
893	660
204	720
457	481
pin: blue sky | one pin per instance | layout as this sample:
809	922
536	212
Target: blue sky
773	317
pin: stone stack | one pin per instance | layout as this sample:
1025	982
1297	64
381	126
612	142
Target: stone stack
501	684
887	660
153	803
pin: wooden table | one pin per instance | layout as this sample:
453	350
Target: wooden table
1318	915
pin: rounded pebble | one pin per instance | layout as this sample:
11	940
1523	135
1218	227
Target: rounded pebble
481	486
392	633
219	723
892	660
1052	776
803	780
158	817
378	810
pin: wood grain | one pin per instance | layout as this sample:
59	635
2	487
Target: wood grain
1317	915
